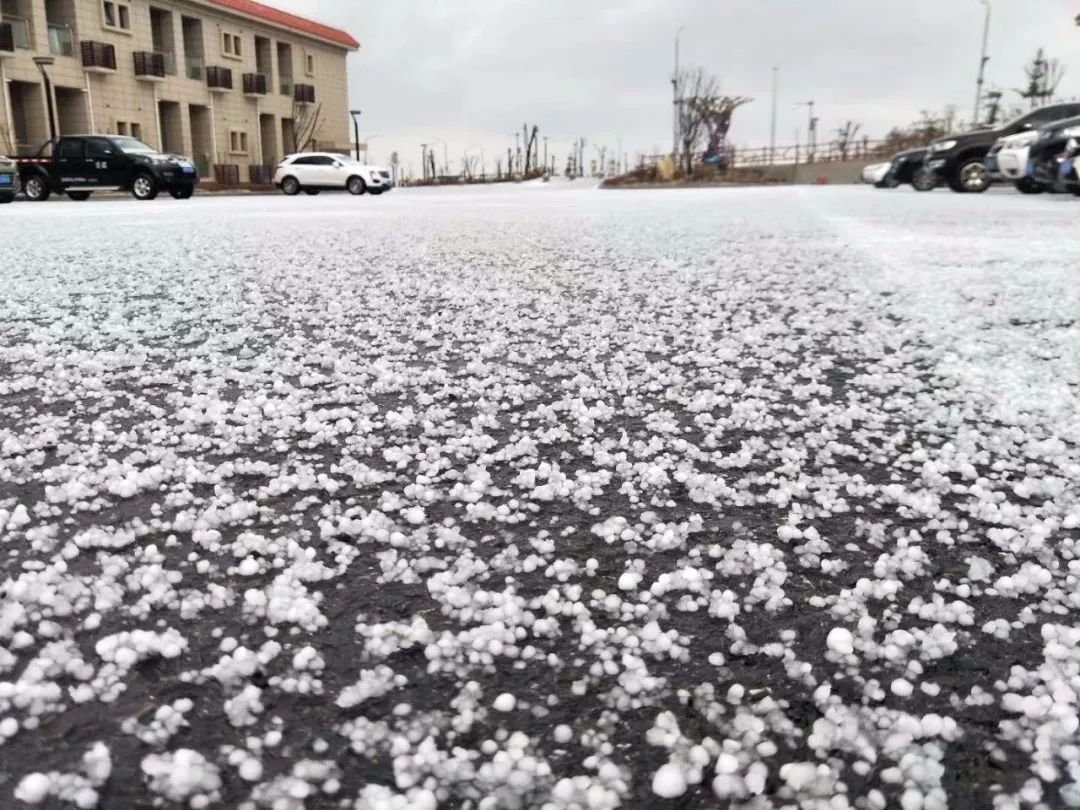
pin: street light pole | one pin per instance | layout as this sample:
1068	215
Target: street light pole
983	59
356	130
43	62
811	132
367	156
675	100
772	125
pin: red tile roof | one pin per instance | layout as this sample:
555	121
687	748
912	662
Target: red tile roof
287	20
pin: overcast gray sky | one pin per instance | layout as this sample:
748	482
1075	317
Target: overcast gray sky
472	71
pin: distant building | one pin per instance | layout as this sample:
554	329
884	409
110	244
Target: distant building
223	81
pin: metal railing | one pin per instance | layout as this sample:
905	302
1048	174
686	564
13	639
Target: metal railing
20	31
193	67
254	84
798	154
828	152
61	40
219	78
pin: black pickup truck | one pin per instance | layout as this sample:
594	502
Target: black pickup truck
78	165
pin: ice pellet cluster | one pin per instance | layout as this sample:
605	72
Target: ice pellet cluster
541	498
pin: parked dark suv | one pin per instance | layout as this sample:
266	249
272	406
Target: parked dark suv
957	160
908	168
1052	157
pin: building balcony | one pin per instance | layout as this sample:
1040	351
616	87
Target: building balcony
61	40
254	84
149	66
304	93
98	57
15	35
219	79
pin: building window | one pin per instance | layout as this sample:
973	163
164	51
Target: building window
116	16
309	64
230	45
129	128
238	143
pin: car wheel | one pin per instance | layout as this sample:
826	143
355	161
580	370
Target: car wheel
144	187
312	191
923	180
973	177
183	193
356	185
1074	190
291	186
79	196
1027	185
36	189
6	198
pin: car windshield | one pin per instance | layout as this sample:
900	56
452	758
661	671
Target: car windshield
133	146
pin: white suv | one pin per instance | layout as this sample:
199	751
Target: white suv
312	172
1008	159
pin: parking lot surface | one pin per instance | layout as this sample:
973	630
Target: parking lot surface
541	498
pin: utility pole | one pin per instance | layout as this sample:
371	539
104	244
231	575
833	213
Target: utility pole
423	158
983	59
545	152
811	131
675	100
772	125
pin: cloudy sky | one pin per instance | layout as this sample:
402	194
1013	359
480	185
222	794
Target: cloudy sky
471	72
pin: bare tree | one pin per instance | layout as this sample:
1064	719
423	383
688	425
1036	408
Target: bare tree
1043	78
306	126
601	152
468	166
532	160
845	136
992	102
693	85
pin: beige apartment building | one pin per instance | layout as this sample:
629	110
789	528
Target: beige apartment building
230	83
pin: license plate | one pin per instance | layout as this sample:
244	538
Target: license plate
991	164
6	179
1030	169
1066	168
188	169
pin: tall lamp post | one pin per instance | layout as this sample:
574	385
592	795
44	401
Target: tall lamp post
772	123
356	130
675	99
43	62
983	59
446	162
366	140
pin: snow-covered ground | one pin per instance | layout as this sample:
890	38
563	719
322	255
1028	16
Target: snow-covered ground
541	498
